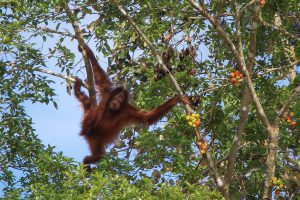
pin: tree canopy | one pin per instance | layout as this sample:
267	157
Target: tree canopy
238	61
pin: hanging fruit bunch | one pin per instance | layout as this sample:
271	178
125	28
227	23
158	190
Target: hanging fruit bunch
235	77
193	120
278	184
289	120
203	146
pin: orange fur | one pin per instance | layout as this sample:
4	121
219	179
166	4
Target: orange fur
101	125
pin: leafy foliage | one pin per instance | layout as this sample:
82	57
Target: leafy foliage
162	161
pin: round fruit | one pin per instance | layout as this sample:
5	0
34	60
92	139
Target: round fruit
197	123
232	75
292	114
237	73
293	123
233	81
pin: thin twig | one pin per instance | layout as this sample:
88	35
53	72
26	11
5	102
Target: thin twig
48	30
278	28
68	78
243	9
284	108
284	67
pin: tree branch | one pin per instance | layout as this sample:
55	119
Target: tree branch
245	100
67	78
241	63
243	9
284	108
278	28
48	30
155	52
273	136
210	160
279	68
79	37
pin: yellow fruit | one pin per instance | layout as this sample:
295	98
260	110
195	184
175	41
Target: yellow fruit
197	115
190	123
203	151
292	114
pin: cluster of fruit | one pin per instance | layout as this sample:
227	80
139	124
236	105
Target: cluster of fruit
278	184
288	119
235	77
203	146
193	120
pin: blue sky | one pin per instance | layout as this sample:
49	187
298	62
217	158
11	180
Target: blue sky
60	128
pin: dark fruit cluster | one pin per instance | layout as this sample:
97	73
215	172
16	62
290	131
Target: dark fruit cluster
195	101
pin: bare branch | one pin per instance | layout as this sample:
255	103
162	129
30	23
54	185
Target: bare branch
280	68
243	9
245	101
79	37
241	63
271	158
278	28
290	160
48	30
273	136
67	78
